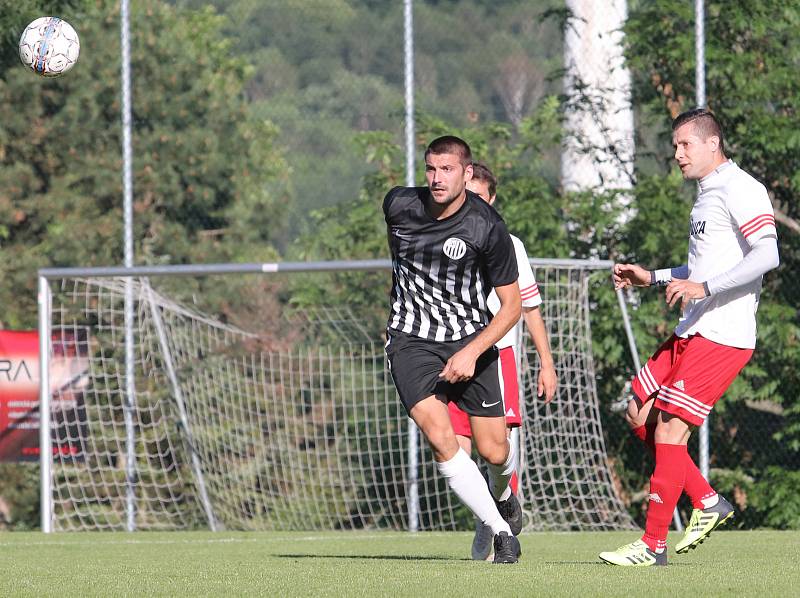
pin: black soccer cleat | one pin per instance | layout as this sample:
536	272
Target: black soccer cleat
511	511
506	549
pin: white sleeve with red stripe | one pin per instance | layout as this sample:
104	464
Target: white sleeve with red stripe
752	211
528	289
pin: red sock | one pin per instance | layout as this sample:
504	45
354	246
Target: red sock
666	485
695	486
514	483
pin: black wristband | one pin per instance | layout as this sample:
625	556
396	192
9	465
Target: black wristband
706	289
652	277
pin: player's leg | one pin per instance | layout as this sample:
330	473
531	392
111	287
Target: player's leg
482	399
487	407
509	385
705	371
461	472
482	540
415	365
642	418
666	485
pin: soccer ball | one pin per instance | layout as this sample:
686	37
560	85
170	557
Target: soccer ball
49	46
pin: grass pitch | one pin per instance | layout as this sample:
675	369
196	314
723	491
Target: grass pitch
730	563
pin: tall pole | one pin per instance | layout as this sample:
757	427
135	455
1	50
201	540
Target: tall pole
413	431
45	440
127	190
700	86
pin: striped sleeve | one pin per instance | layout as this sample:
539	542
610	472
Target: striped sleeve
752	211
528	289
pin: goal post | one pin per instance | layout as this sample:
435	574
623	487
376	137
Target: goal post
229	433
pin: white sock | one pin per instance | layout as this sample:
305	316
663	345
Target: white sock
465	479
500	475
710	501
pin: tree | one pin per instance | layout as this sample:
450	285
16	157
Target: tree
209	184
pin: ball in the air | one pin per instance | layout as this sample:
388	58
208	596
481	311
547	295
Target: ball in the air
49	46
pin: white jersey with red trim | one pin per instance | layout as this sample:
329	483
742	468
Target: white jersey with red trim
528	289
732	211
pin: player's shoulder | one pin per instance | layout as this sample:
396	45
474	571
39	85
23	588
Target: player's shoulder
744	186
399	198
482	209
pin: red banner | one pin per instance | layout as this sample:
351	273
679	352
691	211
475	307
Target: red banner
19	394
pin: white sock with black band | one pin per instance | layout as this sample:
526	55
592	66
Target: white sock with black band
465	479
500	475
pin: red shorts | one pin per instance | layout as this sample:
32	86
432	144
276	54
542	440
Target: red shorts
510	387
686	376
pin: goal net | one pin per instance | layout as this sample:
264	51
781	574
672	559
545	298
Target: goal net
228	431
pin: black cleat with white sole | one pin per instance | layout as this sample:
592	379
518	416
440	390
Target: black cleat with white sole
506	549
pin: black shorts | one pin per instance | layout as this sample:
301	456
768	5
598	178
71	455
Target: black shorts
415	364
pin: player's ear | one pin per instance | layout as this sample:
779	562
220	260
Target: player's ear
713	142
468	172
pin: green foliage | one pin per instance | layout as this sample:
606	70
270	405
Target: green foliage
19	489
209	184
776	497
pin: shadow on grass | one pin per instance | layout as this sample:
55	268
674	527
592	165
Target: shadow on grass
602	564
373	557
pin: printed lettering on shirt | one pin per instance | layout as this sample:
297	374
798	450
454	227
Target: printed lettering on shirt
697	227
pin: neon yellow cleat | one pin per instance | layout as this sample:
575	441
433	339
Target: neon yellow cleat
636	554
702	523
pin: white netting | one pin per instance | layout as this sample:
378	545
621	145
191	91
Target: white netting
230	435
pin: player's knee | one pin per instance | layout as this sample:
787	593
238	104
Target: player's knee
494	453
633	414
441	439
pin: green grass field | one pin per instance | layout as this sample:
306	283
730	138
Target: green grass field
759	563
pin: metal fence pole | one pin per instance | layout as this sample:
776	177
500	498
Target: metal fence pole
700	86
127	184
413	431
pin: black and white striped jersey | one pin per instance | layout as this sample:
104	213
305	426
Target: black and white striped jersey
443	270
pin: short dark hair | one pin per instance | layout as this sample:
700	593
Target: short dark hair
450	144
481	172
705	124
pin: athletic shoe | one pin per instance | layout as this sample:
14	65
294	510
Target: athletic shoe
506	549
482	542
636	554
702	523
511	512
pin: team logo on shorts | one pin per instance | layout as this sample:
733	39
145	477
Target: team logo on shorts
454	248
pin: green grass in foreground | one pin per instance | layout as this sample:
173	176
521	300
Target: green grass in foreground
759	563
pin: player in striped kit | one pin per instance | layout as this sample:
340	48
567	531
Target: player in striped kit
484	184
449	250
732	243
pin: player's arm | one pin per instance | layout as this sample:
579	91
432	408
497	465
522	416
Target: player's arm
461	366
548	380
633	275
762	257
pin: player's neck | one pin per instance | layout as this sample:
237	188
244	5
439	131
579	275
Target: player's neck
719	161
440	212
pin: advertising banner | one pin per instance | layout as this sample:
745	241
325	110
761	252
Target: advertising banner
19	394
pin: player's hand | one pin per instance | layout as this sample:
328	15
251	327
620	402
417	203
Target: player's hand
684	291
460	367
548	381
627	275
